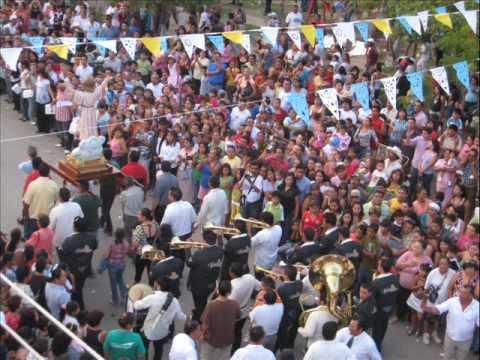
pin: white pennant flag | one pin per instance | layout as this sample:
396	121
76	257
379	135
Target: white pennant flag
348	30
439	74
130	45
246	43
191	41
339	35
295	36
390	86
414	22
71	42
471	17
330	100
108	44
460	5
270	33
10	56
423	16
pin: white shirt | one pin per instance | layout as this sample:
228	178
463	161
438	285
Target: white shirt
314	326
181	216
460	323
294	19
156	89
215	207
183	348
350	114
435	279
252	195
329	350
170	152
268	317
84	72
238	117
363	345
253	352
132	200
265	243
156	330
242	289
61	220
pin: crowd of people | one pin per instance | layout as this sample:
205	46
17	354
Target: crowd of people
212	142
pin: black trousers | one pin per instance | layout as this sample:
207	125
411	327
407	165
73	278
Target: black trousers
107	198
140	265
200	299
157	346
402	307
77	293
238	334
252	210
159	211
43	121
287	333
380	325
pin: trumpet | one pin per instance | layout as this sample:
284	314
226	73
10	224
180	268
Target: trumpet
178	244
272	274
221	230
149	252
255	223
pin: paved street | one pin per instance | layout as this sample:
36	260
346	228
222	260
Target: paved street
397	345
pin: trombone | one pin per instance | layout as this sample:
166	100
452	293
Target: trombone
178	244
149	252
221	230
272	274
254	223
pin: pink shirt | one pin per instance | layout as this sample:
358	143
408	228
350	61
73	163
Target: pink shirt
465	241
420	208
42	239
407	275
420	147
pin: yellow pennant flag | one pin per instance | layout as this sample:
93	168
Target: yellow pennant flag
234	36
444	19
152	44
382	25
61	50
309	33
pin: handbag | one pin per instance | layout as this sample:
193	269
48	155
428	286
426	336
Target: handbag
50	109
74	126
27	94
433	291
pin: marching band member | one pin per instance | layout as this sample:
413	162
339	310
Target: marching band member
351	249
330	235
307	251
215	205
170	268
265	243
236	249
205	265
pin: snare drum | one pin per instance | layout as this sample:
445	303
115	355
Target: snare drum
135	293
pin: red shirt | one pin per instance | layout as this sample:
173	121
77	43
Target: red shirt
312	221
33	176
136	171
42	239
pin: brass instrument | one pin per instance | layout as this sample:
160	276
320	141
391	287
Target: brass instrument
337	273
149	252
178	244
221	230
274	275
254	223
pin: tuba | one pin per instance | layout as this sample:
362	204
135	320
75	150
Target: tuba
337	274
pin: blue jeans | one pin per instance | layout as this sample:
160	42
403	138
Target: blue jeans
115	273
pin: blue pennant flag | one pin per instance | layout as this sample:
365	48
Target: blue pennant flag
36	41
461	68
416	84
218	42
300	105
441	9
361	93
405	24
164	44
320	34
103	50
363	30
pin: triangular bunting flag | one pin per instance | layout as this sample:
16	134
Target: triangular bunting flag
405	24
461	68
246	43
460	5
300	105
164	44
416	84
443	17
218	42
130	45
361	93
390	87
295	36
152	44
107	44
413	22
271	34
234	36
347	30
71	42
191	41
383	25
330	100
309	33
61	50
319	32
103	50
37	43
363	30
423	16
471	17
10	56
439	74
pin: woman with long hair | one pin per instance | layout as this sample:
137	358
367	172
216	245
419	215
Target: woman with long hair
43	96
